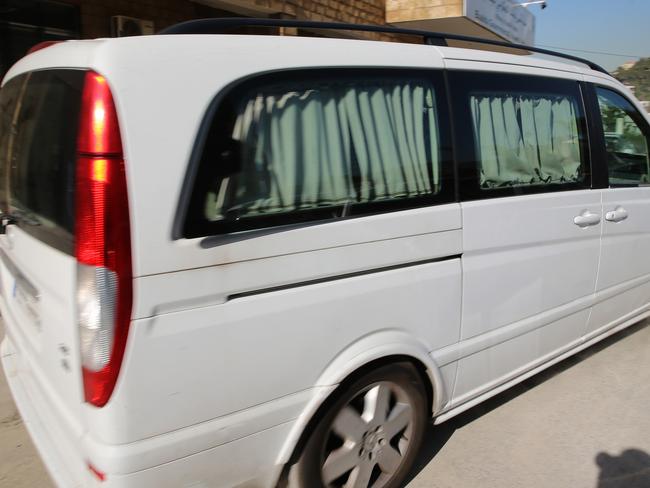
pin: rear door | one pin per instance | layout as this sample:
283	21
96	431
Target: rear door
531	224
623	139
38	133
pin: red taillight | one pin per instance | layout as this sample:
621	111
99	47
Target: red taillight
99	132
102	242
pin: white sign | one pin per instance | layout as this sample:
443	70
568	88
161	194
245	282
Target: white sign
505	18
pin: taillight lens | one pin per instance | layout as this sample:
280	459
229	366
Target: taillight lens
96	298
99	132
102	242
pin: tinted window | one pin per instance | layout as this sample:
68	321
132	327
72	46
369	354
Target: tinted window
527	134
321	148
38	133
626	138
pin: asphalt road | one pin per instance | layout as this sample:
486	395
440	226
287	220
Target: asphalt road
583	423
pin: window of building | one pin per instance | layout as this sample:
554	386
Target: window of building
25	24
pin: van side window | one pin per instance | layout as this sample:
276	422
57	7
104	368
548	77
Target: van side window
526	139
626	138
518	134
320	148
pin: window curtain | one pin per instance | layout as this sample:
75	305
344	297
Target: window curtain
526	140
330	146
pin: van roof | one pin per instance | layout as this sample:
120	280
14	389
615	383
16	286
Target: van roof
491	52
101	53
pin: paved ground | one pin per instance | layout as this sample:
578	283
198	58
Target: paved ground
583	423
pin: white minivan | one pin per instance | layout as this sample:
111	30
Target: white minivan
247	261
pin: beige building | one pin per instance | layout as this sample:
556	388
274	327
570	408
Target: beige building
628	65
496	19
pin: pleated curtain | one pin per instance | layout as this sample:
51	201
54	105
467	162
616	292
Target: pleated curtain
526	140
331	145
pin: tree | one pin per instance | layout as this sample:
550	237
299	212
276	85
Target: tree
638	76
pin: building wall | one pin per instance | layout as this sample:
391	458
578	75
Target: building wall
96	14
410	10
353	11
89	19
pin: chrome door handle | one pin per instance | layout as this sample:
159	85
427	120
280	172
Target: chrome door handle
586	219
616	215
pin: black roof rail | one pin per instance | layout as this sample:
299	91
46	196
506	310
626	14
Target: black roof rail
221	25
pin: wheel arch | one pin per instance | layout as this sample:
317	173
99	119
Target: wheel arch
377	349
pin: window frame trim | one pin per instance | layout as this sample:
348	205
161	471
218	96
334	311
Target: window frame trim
462	84
600	173
191	197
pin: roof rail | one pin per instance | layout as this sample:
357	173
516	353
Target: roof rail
221	25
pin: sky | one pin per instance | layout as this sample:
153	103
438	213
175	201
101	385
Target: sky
605	26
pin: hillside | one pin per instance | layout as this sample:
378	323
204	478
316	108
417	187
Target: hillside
638	76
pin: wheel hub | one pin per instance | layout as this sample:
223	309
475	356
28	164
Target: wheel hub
372	442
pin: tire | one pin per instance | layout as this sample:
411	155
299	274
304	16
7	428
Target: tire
369	436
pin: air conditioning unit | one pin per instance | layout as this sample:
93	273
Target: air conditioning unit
123	26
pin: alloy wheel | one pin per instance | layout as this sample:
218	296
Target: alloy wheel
368	438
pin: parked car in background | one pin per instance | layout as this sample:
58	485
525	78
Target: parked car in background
235	260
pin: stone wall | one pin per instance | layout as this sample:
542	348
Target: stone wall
96	14
411	10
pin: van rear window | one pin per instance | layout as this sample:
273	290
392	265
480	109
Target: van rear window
39	116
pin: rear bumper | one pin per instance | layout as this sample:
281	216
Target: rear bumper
62	462
248	462
245	463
